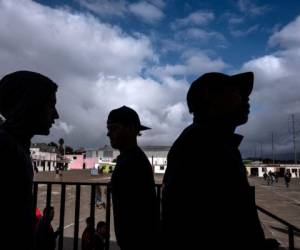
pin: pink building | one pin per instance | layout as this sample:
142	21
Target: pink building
81	162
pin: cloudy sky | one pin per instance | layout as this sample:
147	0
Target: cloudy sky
107	53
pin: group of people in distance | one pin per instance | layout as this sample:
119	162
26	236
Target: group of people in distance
194	213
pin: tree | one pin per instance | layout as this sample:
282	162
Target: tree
69	150
61	146
53	144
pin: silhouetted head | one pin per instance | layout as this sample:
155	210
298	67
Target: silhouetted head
221	97
101	228
123	125
48	213
89	222
27	102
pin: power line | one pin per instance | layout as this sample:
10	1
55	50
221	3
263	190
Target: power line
294	138
273	159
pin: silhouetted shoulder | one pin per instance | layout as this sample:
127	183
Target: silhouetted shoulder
7	143
192	137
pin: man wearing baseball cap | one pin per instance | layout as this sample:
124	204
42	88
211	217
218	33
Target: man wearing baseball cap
206	170
132	182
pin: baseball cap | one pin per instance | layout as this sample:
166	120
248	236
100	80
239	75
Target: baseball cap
216	80
125	115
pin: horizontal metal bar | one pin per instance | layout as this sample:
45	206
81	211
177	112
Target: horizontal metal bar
278	219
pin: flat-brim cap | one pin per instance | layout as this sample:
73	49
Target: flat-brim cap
125	115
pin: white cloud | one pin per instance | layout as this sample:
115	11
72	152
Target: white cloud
250	8
276	91
288	36
235	20
105	7
198	18
158	3
194	65
148	12
239	33
201	35
63	126
97	67
39	36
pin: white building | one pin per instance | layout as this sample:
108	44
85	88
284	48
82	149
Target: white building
44	157
157	155
257	168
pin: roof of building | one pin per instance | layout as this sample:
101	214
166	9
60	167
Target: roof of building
144	148
44	147
156	148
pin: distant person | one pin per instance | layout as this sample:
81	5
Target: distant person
133	187
27	103
223	214
270	178
88	235
100	236
45	235
38	216
287	178
276	176
98	200
265	176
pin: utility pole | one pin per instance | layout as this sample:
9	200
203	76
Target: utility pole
294	139
261	152
273	159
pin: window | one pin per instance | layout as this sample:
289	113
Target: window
162	168
74	157
108	153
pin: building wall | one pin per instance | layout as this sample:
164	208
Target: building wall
91	162
81	162
281	168
76	161
44	161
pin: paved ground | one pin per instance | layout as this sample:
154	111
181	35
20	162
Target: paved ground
283	202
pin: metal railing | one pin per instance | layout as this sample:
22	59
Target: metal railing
291	228
78	186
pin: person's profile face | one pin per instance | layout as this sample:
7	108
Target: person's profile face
229	104
102	230
47	116
51	215
116	133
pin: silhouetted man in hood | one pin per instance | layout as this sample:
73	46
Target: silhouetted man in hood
27	102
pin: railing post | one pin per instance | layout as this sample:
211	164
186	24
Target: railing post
158	200
291	238
77	209
49	193
62	216
35	193
107	219
92	208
